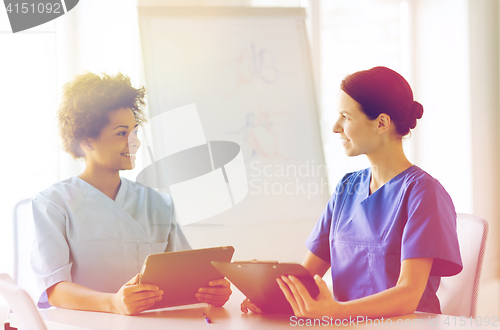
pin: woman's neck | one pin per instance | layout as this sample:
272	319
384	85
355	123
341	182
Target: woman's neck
108	182
386	163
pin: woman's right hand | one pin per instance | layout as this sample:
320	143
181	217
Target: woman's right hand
247	305
133	298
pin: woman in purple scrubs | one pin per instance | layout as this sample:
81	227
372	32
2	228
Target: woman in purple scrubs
389	231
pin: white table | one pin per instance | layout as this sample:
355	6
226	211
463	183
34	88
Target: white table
230	317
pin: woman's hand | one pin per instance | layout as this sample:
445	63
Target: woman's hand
217	294
247	305
302	303
133	298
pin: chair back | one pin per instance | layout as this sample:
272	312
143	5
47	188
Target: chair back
458	294
21	304
24	237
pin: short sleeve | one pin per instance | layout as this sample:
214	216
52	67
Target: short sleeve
177	241
430	231
50	255
318	241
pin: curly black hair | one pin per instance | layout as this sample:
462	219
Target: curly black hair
86	103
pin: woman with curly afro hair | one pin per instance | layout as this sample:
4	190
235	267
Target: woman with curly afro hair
94	230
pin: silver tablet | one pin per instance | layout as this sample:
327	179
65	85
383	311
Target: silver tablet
181	274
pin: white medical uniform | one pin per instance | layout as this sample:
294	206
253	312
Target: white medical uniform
85	237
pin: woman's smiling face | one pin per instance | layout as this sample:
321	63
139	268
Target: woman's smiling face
357	132
116	146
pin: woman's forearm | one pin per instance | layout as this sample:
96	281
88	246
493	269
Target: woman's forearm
74	296
399	300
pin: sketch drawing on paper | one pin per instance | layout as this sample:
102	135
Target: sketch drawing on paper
260	134
254	64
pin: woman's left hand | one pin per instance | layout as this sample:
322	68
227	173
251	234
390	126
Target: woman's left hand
301	301
217	294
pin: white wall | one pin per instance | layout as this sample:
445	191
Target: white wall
441	85
484	17
456	73
29	142
271	242
485	120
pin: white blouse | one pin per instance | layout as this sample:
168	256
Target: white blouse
85	237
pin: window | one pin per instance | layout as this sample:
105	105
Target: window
356	35
29	143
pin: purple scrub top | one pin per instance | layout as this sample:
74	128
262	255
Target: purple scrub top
365	237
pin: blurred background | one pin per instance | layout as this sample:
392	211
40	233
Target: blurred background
448	50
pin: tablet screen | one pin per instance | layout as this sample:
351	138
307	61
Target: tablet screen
181	274
257	280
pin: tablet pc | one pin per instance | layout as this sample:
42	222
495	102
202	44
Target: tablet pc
180	274
257	280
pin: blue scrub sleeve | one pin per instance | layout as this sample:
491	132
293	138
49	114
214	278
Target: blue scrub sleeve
431	230
50	255
318	241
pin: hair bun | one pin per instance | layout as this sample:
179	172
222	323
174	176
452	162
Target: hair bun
418	110
382	90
